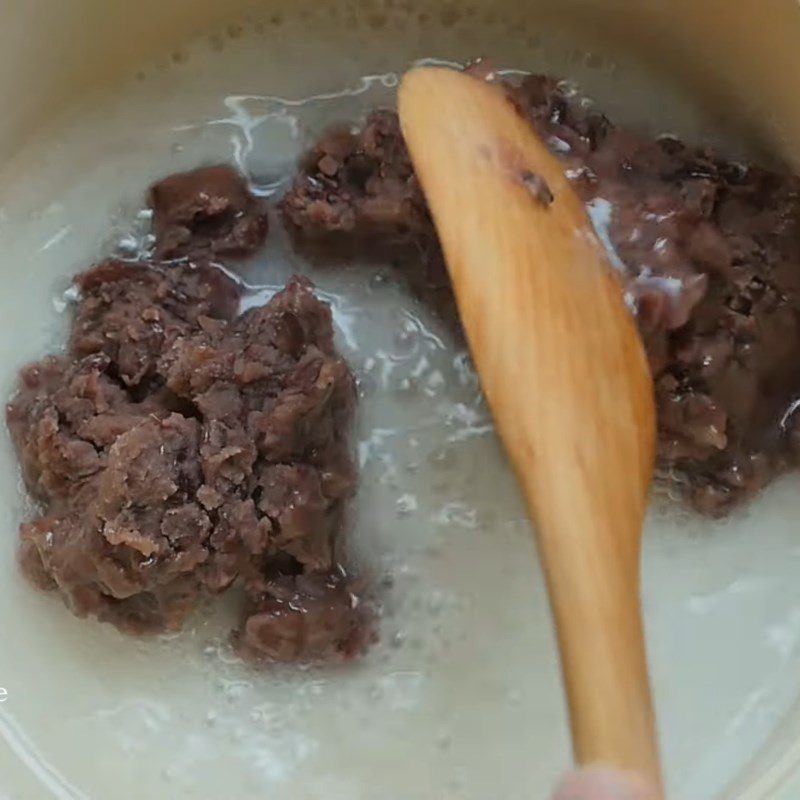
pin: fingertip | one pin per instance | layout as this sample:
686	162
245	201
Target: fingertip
602	783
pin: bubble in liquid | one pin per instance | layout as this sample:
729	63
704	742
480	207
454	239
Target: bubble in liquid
434	383
367	385
406	504
594	60
233	690
234	31
514	697
179	57
436	602
276	20
443	458
378	279
457	514
169	774
407	386
406	338
389	478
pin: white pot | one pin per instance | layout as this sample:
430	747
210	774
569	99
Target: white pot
742	57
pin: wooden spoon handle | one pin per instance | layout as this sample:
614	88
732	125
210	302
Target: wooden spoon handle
564	372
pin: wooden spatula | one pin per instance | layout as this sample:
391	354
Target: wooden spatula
566	377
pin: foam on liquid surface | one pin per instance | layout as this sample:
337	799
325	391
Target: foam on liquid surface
461	699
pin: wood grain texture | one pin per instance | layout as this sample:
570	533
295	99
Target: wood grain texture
566	377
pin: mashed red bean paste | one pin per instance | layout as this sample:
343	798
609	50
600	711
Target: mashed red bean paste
179	449
707	251
208	211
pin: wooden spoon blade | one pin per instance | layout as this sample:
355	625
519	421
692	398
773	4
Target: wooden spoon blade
564	371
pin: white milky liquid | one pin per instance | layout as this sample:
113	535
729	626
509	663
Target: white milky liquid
461	700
